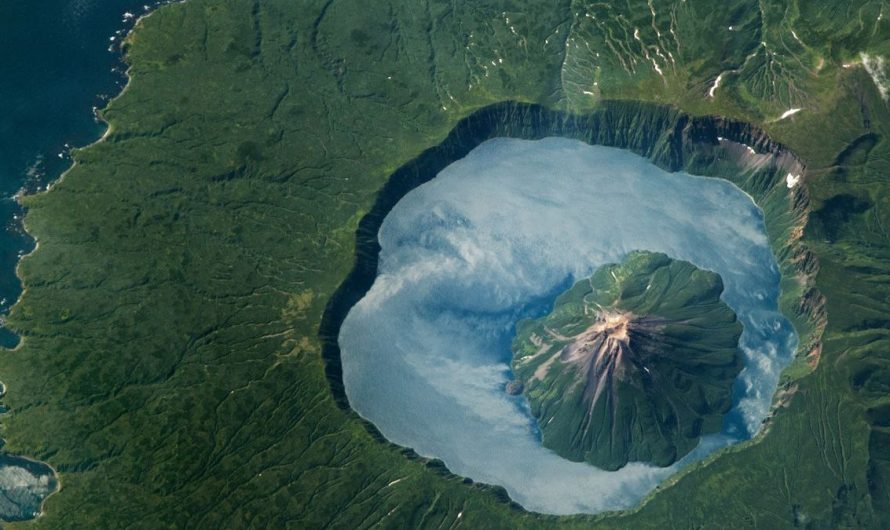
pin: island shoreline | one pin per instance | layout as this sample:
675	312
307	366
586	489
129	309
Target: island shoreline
671	140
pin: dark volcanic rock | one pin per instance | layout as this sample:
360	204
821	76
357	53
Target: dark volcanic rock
514	388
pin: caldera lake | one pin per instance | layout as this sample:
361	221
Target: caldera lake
493	239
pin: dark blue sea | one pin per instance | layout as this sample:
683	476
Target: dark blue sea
57	63
60	60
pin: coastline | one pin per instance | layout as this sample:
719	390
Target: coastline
117	48
747	471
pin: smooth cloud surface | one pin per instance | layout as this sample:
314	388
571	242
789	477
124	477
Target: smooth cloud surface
494	238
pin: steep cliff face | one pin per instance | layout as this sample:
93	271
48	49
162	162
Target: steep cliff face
635	363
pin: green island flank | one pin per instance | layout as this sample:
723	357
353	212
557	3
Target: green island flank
635	363
179	366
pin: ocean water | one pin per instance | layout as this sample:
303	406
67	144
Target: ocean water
57	62
494	238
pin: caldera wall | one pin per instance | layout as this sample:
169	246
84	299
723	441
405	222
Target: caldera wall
707	146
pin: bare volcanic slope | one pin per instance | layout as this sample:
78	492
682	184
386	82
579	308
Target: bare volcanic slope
635	363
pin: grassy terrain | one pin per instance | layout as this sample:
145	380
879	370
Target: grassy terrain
172	371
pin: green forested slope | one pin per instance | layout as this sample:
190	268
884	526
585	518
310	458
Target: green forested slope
633	364
171	369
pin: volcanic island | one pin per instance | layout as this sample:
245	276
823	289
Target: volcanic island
634	364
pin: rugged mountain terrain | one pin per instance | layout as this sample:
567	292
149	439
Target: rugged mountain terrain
172	369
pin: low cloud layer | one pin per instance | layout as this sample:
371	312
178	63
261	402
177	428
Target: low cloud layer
494	238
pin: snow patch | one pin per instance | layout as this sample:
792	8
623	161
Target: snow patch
787	113
715	85
874	65
792	180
